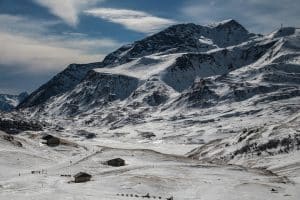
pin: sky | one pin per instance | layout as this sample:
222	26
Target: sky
39	38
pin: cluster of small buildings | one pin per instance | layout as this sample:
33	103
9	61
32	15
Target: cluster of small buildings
85	177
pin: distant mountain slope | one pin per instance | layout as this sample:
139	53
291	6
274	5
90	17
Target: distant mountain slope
9	102
62	82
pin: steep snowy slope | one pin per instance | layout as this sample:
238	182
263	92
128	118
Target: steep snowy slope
62	82
97	89
276	73
272	80
9	102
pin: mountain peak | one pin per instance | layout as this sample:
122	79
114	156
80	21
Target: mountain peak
188	37
223	22
229	23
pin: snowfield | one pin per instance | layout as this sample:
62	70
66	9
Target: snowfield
146	171
197	112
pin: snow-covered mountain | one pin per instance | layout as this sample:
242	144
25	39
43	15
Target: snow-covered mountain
204	82
178	39
9	102
187	108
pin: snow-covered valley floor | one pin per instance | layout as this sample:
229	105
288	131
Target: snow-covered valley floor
160	170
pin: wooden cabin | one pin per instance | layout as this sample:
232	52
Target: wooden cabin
117	162
53	142
82	177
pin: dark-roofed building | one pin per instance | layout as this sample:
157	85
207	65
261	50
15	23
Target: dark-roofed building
47	137
117	162
82	177
51	140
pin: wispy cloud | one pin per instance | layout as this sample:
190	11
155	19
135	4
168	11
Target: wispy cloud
67	10
258	15
131	19
39	56
17	24
34	51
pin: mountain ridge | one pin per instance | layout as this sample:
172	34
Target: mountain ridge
179	36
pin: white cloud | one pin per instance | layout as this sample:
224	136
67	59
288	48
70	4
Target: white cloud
18	24
34	51
131	19
37	57
67	10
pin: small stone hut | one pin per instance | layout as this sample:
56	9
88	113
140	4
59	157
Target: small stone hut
51	140
82	177
47	137
117	162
